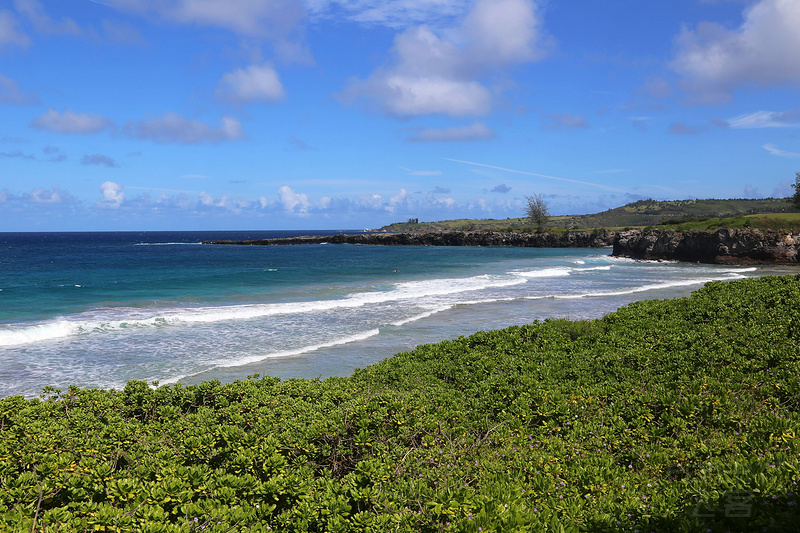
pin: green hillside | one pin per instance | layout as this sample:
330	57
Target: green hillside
636	214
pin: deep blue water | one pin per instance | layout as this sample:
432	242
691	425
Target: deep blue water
99	309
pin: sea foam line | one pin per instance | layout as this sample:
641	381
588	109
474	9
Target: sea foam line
421	316
136	318
642	288
275	355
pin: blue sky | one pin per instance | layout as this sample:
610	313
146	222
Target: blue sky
348	114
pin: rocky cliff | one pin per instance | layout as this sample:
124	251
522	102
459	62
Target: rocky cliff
724	246
572	239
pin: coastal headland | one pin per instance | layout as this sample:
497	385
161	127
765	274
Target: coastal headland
571	239
723	246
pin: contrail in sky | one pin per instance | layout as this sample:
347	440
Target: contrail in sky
535	174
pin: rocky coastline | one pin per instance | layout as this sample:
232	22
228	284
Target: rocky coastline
571	239
743	246
727	246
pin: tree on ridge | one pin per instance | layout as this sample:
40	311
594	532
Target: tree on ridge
536	209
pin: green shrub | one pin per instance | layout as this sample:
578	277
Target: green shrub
674	415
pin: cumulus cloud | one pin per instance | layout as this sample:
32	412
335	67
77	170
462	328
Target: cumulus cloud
563	121
71	122
256	83
44	199
473	132
98	159
502	188
112	195
10	34
45	196
292	201
714	61
174	128
440	73
148	209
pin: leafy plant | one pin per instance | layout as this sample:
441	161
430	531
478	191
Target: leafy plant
675	415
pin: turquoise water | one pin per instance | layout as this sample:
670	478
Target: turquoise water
99	309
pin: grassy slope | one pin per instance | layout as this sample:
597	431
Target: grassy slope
640	213
674	415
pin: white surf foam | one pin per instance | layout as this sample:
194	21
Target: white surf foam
641	288
556	272
421	316
111	319
13	335
225	363
588	269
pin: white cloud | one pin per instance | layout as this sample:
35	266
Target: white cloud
416	95
46	196
11	94
441	73
112	195
766	119
473	132
412	172
71	122
762	51
504	32
778	152
10	34
174	128
274	20
256	83
292	201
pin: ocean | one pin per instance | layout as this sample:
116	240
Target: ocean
99	309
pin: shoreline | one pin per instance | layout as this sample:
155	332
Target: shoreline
725	246
571	239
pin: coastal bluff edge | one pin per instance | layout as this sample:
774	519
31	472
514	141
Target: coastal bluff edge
723	246
726	246
572	239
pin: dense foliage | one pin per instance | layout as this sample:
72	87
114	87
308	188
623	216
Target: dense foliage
674	415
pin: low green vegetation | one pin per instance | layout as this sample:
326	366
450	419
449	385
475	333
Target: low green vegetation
636	214
775	222
667	416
